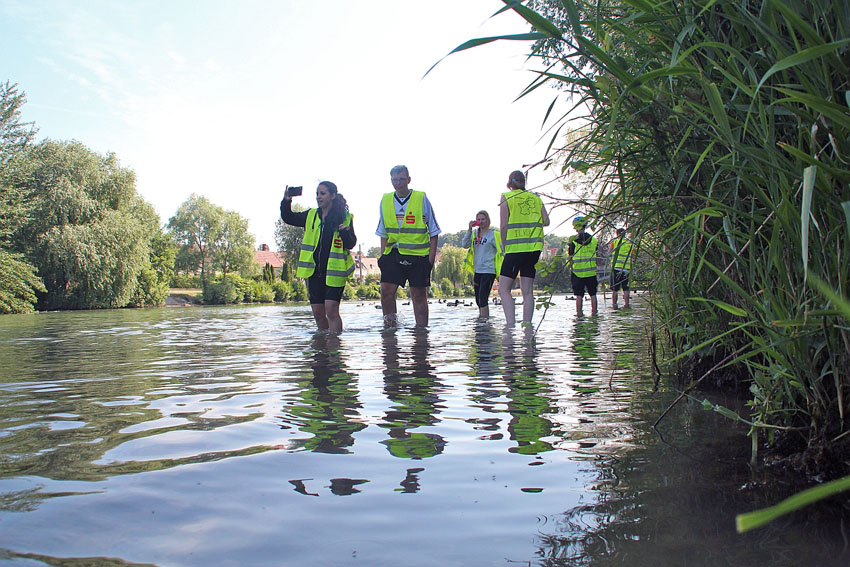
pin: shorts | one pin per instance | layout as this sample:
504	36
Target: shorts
620	280
400	269
483	284
319	292
521	263
580	285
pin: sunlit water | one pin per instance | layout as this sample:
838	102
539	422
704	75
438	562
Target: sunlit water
240	436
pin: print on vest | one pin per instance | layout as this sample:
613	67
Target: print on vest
526	204
338	242
410	219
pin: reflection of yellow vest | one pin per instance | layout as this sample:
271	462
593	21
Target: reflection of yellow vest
584	259
412	236
340	262
622	254
469	261
525	222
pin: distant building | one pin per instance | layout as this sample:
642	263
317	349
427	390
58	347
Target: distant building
364	266
275	259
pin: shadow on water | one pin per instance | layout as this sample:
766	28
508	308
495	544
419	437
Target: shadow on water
240	436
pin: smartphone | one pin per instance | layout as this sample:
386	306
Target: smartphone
476	223
295	191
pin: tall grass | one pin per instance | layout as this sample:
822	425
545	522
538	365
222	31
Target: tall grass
720	130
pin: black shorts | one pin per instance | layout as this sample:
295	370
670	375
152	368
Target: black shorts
399	269
319	292
620	280
580	285
521	263
483	284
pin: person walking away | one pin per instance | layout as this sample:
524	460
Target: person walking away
522	216
621	265
582	252
325	258
484	258
408	230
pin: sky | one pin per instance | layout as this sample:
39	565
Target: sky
234	100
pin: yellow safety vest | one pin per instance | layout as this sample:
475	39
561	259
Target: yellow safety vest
622	254
584	259
469	261
412	236
525	223
340	262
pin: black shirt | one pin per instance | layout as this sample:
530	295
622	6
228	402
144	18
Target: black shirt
323	250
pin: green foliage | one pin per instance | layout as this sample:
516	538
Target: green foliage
373	252
451	265
348	290
299	290
150	290
282	291
447	288
368	290
288	238
233	245
195	227
18	284
268	274
184	281
719	133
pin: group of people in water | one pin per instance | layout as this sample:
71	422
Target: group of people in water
408	231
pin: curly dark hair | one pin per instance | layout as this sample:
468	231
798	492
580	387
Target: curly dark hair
339	206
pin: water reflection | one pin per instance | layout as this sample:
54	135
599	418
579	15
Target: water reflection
412	386
527	392
327	404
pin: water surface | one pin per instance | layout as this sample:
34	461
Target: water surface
240	436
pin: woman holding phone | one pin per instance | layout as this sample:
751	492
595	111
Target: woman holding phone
484	258
325	259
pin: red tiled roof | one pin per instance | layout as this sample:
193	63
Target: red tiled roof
273	258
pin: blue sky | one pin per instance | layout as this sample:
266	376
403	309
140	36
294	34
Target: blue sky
235	100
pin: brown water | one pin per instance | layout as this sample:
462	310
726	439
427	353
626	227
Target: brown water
239	436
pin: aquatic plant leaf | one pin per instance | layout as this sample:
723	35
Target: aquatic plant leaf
808	188
723	305
757	518
802	57
841	303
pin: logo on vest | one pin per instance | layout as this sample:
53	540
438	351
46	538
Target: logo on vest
337	242
410	219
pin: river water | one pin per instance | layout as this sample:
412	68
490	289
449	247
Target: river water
221	436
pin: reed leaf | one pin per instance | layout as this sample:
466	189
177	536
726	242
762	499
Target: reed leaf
758	518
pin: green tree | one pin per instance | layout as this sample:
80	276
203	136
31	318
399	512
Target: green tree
88	233
233	246
288	238
451	265
373	252
195	226
19	281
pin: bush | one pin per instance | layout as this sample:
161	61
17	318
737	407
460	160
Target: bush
348	291
260	292
282	291
150	290
299	290
220	293
186	281
368	290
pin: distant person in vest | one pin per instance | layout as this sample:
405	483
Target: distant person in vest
522	217
621	265
582	251
408	231
484	258
325	260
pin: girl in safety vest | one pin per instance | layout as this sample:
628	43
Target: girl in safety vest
484	258
325	259
523	216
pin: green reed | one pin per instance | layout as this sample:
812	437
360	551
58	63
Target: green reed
720	131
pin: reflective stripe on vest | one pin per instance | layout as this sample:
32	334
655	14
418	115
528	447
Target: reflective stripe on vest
412	237
622	254
340	262
525	222
584	259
